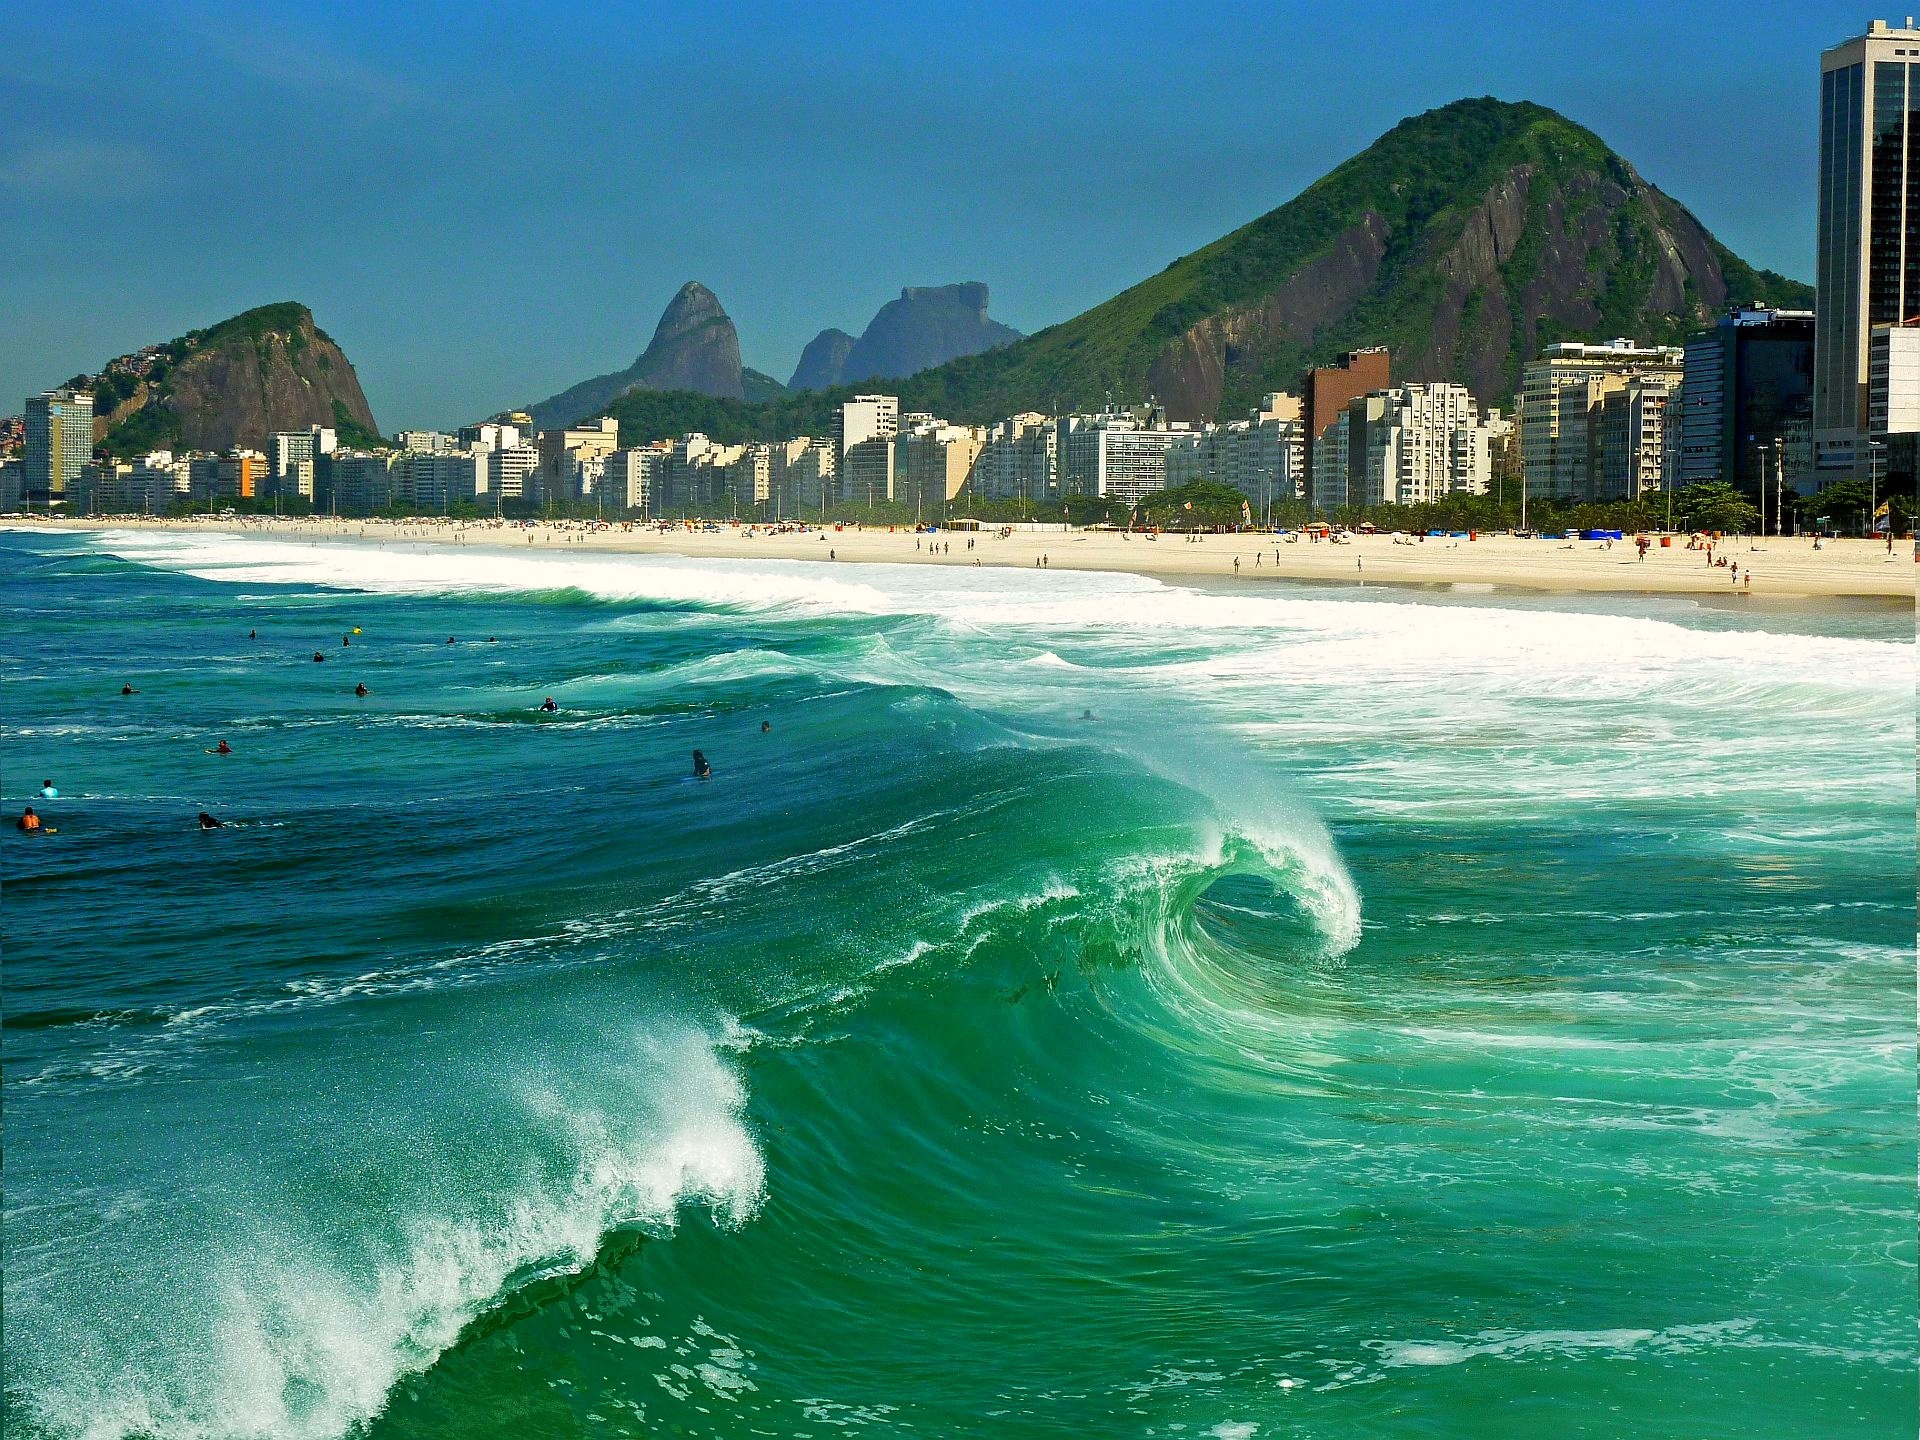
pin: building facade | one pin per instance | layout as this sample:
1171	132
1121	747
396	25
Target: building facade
1747	387
1327	390
1866	271
59	443
1117	455
1562	413
863	434
1019	460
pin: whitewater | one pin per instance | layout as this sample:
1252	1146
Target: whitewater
1090	1005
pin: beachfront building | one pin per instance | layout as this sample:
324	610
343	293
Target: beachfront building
570	458
1563	395
1406	445
803	475
863	431
1260	456
511	470
438	480
1117	455
1747	388
146	485
932	462
13	485
1866	268
749	479
293	459
633	478
59	442
1019	460
357	482
1893	391
424	442
1327	390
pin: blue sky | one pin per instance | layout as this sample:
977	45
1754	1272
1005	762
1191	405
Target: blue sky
485	202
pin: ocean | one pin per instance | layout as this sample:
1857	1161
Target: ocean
1076	1005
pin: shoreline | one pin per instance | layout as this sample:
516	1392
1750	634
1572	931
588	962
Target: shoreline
1784	568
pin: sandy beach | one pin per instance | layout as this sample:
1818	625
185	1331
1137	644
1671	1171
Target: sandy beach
1770	567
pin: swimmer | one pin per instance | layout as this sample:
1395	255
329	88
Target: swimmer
318	658
128	690
549	705
47	792
221	749
346	639
765	726
360	689
253	634
701	770
449	639
207	822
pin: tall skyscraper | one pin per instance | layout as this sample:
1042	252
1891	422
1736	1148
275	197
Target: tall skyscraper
59	443
1748	391
1867	270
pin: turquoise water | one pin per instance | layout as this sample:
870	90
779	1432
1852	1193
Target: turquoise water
1399	1015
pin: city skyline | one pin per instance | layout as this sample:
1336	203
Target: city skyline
579	234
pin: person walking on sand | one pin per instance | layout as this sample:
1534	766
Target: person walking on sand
1236	565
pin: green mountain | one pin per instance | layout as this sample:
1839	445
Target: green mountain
1465	238
233	384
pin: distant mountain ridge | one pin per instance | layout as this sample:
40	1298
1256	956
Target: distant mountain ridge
232	384
694	347
927	326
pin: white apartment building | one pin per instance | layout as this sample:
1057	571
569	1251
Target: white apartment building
863	434
932	463
1114	455
1893	390
512	470
569	458
1562	395
437	480
293	457
803	475
1019	460
1260	456
633	478
1406	445
428	442
360	482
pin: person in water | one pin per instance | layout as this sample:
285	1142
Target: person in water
701	770
449	639
549	705
253	634
361	688
223	748
346	639
47	792
765	726
128	690
318	657
207	822
28	823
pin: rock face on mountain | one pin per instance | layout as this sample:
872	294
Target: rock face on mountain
1466	239
822	362
234	384
694	347
927	326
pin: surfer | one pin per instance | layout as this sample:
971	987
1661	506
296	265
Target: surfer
221	749
549	705
128	690
28	823
449	639
318	658
207	822
361	689
47	792
253	634
701	769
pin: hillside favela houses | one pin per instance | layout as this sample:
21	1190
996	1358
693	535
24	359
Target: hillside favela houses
1764	399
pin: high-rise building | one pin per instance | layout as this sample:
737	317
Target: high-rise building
803	471
1326	390
59	442
633	477
1259	456
1893	391
932	462
1118	455
1563	394
1866	271
1406	445
360	482
566	454
1748	385
293	457
863	431
1019	460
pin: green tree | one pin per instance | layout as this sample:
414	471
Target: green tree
1715	505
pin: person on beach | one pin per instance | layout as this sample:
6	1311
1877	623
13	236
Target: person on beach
207	822
550	705
361	689
128	690
701	769
28	823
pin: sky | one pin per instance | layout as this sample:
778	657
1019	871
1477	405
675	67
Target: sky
486	202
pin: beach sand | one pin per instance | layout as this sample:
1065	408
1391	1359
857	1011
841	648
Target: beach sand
1780	567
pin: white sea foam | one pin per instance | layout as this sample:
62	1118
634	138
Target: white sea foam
286	1331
